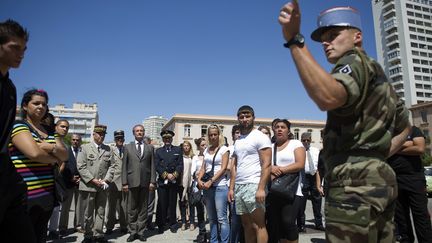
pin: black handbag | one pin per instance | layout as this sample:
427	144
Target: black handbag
286	185
59	185
208	175
195	195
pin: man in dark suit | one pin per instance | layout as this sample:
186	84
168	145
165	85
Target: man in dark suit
138	177
169	166
72	178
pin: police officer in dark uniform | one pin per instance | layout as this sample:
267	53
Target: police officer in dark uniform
169	165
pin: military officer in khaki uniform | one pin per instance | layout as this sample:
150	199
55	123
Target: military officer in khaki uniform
117	199
96	166
366	122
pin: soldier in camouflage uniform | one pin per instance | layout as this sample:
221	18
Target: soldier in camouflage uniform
366	123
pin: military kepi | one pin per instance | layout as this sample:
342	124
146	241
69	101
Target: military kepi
338	16
119	134
100	129
167	133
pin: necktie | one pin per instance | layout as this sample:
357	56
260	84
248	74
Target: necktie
311	163
76	152
120	152
99	149
139	149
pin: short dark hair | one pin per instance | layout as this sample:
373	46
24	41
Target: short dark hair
11	28
234	129
277	120
246	109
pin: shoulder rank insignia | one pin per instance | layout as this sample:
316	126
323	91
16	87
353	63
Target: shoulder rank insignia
345	69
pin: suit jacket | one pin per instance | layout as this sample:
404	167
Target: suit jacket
138	171
70	168
95	165
117	179
169	162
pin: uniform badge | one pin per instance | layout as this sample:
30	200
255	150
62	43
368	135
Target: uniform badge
91	156
345	69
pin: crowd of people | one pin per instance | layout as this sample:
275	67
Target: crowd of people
370	154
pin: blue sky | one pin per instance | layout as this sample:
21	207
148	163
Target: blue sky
139	58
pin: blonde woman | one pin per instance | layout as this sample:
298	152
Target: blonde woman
214	167
185	184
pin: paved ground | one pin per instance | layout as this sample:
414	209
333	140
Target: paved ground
311	234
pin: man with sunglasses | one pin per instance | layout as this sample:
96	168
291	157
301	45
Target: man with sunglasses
309	188
366	123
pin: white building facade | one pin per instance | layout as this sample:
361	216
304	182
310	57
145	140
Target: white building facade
403	34
189	127
82	118
153	126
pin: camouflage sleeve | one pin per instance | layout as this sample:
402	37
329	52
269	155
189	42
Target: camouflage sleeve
349	72
401	117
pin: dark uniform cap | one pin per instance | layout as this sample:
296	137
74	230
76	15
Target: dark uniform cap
167	133
100	129
338	16
119	134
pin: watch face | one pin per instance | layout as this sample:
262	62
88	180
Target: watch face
300	38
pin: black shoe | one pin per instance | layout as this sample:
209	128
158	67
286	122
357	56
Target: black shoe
160	230
132	238
63	233
173	229
87	240
53	235
150	227
101	240
108	231
301	229
142	238
320	227
124	231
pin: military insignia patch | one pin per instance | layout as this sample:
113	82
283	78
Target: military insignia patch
345	69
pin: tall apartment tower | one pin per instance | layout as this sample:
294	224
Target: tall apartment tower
403	34
153	126
82	118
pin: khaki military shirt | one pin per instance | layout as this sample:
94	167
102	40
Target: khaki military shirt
371	116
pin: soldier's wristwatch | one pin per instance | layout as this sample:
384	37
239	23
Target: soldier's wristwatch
298	40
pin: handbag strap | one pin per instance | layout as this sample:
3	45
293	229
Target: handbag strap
274	153
214	157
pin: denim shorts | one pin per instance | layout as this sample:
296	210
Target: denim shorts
245	201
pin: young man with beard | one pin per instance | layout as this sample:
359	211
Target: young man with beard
249	176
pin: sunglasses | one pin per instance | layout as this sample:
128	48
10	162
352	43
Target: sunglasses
305	140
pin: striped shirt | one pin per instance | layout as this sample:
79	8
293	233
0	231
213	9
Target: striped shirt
38	176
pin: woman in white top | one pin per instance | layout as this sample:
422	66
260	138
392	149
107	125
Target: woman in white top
290	158
215	188
186	182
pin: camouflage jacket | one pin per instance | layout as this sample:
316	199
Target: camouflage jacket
372	115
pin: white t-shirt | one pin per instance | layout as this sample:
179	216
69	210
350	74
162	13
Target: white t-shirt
247	148
208	159
286	157
196	165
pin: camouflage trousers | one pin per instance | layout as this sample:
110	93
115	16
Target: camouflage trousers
360	202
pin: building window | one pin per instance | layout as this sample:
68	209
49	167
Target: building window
187	129
423	115
296	133
203	130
